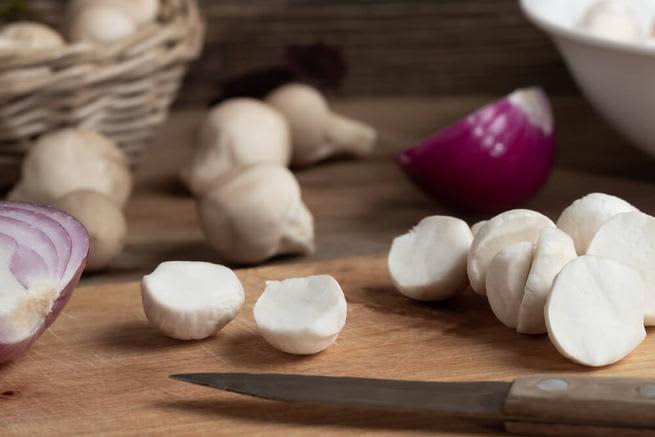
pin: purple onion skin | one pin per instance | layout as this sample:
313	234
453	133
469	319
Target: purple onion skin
9	352
461	170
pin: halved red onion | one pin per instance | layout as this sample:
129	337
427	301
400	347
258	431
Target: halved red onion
42	255
493	160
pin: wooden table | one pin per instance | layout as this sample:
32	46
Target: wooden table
101	369
360	205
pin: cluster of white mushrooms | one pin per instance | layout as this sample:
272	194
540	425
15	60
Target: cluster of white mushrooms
89	21
77	170
587	280
189	300
249	202
617	20
251	209
86	175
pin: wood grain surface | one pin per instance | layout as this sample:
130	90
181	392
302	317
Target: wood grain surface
102	370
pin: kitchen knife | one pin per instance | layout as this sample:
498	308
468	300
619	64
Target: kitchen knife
534	405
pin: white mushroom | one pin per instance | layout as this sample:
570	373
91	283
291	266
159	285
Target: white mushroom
190	300
30	35
502	230
553	251
477	226
429	262
101	23
595	311
629	238
584	216
301	315
505	281
71	160
139	11
318	133
256	212
237	132
103	220
612	19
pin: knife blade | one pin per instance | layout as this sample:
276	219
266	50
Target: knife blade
477	399
532	405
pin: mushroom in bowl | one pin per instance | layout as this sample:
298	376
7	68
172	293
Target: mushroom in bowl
610	50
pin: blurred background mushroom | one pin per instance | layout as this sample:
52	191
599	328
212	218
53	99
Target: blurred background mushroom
189	91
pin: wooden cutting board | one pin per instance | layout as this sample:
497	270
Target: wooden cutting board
101	369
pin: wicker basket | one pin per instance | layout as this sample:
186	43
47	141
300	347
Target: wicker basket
123	90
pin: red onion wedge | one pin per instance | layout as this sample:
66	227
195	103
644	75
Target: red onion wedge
42	255
492	160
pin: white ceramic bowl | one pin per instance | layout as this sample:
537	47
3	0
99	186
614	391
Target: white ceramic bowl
617	77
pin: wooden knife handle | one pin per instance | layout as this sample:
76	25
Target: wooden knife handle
572	405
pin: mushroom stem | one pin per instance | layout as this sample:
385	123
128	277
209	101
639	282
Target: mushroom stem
348	135
316	132
299	237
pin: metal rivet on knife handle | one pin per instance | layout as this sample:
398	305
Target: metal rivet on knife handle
647	390
553	384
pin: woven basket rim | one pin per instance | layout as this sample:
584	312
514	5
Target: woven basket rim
123	90
188	21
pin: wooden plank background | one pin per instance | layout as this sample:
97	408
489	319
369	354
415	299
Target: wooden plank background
393	47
